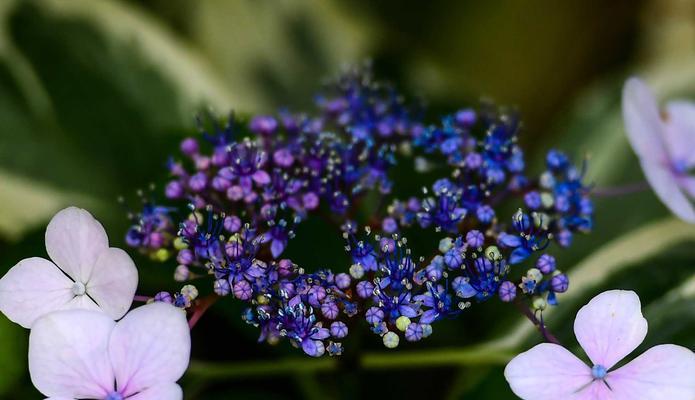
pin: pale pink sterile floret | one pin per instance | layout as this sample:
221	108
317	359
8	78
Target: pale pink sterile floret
82	354
84	273
664	141
608	328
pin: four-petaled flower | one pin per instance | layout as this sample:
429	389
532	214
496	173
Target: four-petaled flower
665	144
608	328
85	273
83	354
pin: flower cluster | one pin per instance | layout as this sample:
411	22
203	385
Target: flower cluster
239	191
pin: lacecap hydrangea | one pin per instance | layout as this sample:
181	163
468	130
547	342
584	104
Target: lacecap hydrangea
237	192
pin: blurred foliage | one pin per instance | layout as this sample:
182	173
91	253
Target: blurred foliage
94	96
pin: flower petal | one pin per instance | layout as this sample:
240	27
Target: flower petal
662	372
151	345
113	282
643	124
610	326
680	131
74	240
68	354
667	188
32	288
548	371
82	303
167	391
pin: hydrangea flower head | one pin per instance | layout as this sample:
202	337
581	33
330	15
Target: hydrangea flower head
608	328
664	141
84	273
82	354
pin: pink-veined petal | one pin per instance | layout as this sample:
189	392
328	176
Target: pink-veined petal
663	372
33	288
167	391
113	282
68	354
643	123
610	326
150	346
74	240
680	131
667	187
548	372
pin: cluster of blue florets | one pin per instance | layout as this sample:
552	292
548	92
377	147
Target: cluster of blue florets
243	187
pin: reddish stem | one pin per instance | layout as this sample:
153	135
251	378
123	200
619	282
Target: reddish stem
540	324
200	308
142	299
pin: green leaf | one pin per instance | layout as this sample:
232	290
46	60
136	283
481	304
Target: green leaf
93	98
13	350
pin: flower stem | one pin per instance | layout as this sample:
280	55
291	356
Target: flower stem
141	299
540	324
200	308
616	191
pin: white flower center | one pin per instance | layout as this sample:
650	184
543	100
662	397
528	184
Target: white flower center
78	289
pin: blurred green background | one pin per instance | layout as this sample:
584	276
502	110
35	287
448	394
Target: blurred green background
95	94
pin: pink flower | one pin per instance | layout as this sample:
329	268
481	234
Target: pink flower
609	328
665	144
82	354
85	273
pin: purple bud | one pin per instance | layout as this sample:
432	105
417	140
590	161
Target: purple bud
185	257
222	287
263	125
546	263
164	297
466	117
475	238
507	291
220	184
316	295
285	267
485	214
339	329
242	290
342	280
197	182
564	238
235	193
374	315
232	223
559	283
387	245
283	157
173	190
413	332
473	161
329	310
365	289
155	240
220	157
310	200
189	146
389	225
533	200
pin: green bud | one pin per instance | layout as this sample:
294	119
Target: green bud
391	340
539	303
493	253
402	323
